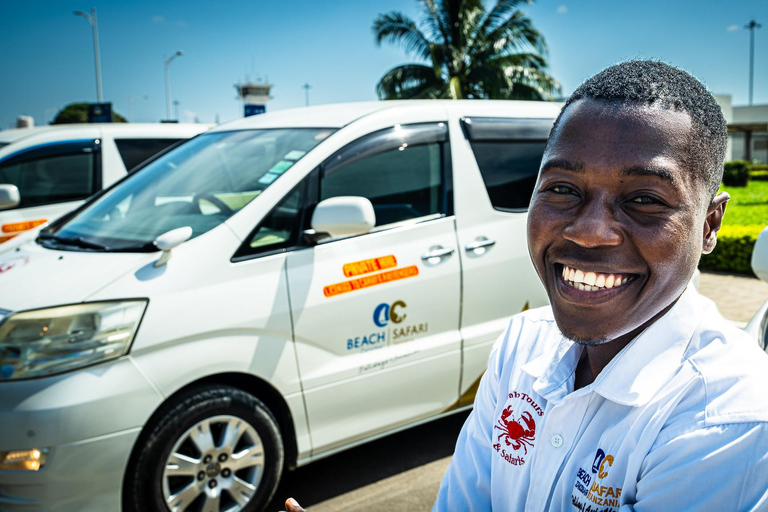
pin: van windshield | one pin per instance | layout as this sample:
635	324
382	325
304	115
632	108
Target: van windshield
200	184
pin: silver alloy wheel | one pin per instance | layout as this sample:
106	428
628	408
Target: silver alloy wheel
216	465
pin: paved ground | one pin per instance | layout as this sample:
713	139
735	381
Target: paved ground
403	471
737	297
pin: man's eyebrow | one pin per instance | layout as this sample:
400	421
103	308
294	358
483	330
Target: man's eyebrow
649	171
564	165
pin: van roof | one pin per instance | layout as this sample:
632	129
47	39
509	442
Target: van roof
338	115
128	129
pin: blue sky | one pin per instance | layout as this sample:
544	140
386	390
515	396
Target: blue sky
48	52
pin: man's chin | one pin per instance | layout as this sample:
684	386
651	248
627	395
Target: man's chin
586	341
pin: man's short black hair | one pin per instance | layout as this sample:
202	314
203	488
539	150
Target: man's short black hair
648	82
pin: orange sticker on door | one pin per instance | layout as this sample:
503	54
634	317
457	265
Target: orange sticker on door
368	281
357	268
18	227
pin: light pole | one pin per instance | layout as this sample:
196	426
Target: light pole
306	88
95	25
168	83
176	109
136	98
751	26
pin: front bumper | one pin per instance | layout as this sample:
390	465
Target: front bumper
89	419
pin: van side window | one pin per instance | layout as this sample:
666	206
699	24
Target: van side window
52	175
135	151
508	152
402	174
509	170
280	228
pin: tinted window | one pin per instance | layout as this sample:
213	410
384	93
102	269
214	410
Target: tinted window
52	178
402	183
509	170
135	151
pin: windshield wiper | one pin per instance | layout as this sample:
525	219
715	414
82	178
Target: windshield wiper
74	241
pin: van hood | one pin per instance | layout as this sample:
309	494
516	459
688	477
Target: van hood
32	276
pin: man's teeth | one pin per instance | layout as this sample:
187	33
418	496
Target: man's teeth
592	281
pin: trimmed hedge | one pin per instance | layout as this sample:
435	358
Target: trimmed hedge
759	175
736	173
733	251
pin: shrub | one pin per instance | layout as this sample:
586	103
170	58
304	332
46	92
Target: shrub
736	173
733	251
759	175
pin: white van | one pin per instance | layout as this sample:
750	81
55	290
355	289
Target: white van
48	171
271	292
758	326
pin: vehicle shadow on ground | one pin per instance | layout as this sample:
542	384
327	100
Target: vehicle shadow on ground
369	463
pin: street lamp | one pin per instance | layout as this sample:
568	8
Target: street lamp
176	109
168	83
95	25
136	98
751	26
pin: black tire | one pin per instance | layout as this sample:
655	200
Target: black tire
143	489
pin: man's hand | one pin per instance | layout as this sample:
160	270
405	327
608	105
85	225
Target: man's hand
292	506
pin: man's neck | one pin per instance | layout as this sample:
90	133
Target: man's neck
595	358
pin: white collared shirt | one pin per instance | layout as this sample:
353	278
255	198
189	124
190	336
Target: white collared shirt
678	420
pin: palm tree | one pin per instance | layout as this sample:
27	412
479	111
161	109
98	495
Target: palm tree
471	53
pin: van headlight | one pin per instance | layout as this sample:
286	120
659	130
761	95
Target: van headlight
43	342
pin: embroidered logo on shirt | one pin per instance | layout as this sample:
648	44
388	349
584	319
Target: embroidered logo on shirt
516	428
590	486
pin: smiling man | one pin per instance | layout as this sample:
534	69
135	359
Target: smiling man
630	392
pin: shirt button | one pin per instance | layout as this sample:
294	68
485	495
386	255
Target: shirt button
557	440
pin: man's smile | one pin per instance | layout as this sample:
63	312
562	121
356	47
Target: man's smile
590	281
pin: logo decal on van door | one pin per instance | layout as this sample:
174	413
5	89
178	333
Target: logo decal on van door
368	281
357	268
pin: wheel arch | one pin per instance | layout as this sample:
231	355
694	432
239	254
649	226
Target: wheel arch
252	384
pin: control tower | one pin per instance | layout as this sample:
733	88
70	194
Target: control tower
254	96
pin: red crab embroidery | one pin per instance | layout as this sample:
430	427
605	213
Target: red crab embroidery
513	431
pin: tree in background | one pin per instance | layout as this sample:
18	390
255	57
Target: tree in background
471	53
78	113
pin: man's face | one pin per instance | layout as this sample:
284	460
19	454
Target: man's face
617	222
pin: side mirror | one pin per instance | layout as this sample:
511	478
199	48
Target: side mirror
342	216
169	241
760	256
9	196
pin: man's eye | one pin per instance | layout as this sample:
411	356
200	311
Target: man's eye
561	189
644	200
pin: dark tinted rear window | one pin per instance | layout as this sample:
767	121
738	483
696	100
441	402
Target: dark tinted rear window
135	151
509	170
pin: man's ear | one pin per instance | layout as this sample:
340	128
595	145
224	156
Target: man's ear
713	220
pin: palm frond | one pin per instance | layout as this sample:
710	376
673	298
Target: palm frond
499	14
522	79
410	81
396	27
434	22
517	33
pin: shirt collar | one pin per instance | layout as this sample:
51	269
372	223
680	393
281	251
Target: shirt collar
636	373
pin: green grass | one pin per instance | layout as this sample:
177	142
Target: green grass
748	205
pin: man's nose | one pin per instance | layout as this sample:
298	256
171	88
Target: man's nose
594	225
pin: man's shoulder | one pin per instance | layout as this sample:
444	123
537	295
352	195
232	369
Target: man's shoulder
733	374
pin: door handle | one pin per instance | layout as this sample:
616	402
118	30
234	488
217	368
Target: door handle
479	244
437	253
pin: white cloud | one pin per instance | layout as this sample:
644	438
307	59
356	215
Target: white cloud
732	28
562	9
158	19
